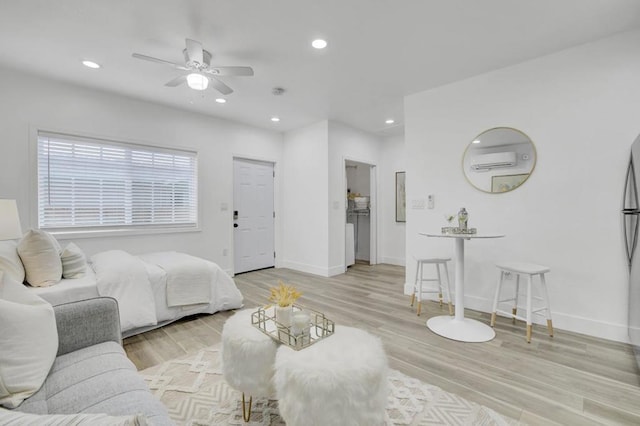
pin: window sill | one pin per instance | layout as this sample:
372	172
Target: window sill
98	233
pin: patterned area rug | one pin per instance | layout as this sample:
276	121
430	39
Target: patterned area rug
196	394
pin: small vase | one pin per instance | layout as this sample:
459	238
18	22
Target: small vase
463	217
283	315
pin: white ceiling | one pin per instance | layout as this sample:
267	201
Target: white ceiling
379	50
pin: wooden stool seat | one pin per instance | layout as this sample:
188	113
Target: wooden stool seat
529	270
417	285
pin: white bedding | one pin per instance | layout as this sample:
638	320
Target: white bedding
139	283
223	291
188	278
124	277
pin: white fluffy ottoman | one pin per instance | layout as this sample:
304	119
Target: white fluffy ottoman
248	357
341	380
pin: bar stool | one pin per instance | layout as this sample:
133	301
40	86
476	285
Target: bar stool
417	285
529	270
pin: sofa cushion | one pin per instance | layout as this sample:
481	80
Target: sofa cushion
40	255
74	262
10	262
96	379
28	341
9	417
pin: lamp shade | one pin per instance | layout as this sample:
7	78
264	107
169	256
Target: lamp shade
9	220
197	81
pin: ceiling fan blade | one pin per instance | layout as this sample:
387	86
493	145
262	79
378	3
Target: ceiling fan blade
194	51
160	61
226	71
220	86
176	81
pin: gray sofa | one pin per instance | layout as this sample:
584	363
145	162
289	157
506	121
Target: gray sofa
92	373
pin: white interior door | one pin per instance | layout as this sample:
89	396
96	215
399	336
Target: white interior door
253	215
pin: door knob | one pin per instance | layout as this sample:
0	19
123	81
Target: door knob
235	225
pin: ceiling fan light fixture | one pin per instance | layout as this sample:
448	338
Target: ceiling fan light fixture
390	121
197	81
221	100
275	119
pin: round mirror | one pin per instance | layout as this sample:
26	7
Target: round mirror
499	160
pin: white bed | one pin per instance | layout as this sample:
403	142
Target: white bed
152	289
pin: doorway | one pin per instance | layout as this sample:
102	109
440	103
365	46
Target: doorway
360	229
253	215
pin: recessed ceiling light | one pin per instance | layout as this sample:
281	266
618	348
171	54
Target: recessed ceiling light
90	64
390	121
275	119
221	100
476	141
319	43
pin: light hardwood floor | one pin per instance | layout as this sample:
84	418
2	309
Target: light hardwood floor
570	379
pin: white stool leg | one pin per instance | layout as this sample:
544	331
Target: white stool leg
421	274
529	297
495	299
415	283
446	273
439	284
545	294
514	310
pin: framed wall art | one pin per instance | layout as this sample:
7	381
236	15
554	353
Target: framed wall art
506	183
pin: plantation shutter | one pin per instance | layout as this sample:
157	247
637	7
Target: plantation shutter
89	183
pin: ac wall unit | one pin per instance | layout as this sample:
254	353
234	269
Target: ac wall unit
495	160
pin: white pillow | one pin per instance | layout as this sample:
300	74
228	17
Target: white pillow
74	262
28	342
40	255
55	242
10	262
28	419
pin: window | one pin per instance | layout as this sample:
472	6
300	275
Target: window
93	184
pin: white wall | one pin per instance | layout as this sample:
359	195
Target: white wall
30	103
347	143
305	221
315	199
392	234
580	108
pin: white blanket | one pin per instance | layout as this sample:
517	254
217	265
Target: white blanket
189	278
124	277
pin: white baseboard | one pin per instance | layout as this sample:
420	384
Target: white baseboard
336	270
392	260
303	267
408	288
561	321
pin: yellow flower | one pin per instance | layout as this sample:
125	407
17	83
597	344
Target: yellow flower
284	295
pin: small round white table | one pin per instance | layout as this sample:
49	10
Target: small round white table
458	327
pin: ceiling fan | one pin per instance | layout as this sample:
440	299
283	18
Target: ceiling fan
201	73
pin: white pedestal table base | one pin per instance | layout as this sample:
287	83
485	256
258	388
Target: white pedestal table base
463	330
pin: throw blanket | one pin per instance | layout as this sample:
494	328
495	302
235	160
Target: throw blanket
189	278
124	277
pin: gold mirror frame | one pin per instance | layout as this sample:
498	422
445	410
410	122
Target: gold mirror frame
499	160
